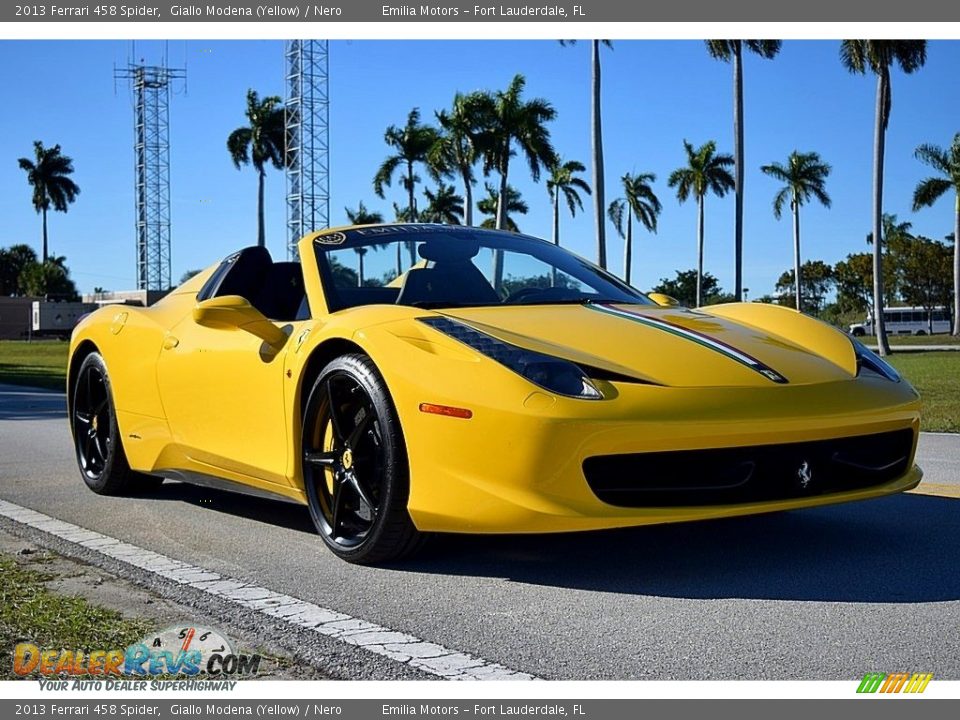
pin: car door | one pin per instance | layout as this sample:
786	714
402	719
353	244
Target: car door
222	388
223	397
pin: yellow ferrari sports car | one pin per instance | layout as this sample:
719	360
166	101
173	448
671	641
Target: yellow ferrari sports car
401	380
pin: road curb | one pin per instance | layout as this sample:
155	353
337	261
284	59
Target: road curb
345	646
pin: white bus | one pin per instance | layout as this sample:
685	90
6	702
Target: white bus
907	321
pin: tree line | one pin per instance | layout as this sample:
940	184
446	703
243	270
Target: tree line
484	132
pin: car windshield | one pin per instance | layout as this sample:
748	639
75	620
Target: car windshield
443	266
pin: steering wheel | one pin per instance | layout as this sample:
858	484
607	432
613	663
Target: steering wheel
518	295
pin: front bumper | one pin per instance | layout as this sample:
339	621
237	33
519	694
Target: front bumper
517	467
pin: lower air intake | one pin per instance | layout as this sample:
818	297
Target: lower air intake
749	474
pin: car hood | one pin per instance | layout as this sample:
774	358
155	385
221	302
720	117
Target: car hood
737	345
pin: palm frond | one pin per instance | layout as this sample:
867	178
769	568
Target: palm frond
238	144
721	49
853	55
682	180
616	214
780	199
767	49
384	176
930	190
362	216
573	200
776	171
911	55
647	215
934	156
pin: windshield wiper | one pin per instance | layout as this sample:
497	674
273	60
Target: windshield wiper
440	304
573	301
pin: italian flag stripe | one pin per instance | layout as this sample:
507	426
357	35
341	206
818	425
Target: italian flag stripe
693	336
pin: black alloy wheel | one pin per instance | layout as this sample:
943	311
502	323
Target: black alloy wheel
354	464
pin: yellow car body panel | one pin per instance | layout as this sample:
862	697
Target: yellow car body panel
515	466
225	403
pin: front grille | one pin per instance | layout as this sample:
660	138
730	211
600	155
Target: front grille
748	474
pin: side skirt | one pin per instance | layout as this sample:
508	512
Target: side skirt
218	483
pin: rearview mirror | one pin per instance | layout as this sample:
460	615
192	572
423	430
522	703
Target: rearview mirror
232	312
663	299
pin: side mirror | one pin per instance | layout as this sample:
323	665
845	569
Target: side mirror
232	312
663	300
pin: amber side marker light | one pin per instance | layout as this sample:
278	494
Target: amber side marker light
446	410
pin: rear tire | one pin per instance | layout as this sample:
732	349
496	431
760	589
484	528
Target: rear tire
96	435
355	465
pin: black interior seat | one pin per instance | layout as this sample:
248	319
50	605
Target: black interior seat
281	294
453	282
275	289
246	273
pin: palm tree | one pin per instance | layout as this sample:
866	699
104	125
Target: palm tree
443	206
563	180
639	201
456	149
402	214
412	143
515	121
894	237
805	176
48	173
491	207
878	56
892	231
596	147
706	170
261	141
731	51
362	216
947	163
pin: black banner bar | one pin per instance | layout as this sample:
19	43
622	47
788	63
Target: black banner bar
485	709
325	11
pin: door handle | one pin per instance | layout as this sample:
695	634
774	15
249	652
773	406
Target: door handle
170	342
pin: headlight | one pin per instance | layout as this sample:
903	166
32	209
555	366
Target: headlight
869	361
553	374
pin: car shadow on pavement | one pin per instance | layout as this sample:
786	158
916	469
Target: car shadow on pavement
272	512
901	549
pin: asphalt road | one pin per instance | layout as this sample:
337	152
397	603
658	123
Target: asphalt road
815	594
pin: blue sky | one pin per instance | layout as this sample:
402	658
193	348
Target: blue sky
655	95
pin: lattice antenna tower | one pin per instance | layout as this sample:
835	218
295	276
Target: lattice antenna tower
151	86
307	111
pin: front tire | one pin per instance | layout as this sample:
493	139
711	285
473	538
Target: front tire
96	435
355	465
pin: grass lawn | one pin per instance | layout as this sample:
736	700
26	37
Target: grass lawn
918	340
935	374
42	363
29	612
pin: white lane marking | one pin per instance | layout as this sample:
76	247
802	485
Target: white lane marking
401	647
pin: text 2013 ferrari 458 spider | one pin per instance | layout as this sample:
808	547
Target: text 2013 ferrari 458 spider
407	379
